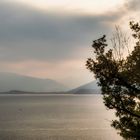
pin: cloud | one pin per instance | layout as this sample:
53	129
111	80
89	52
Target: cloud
29	34
133	5
50	44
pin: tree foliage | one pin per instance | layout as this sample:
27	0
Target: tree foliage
119	79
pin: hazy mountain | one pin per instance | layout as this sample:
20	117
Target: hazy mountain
90	88
10	81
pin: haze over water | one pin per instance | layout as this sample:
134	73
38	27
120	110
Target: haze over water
55	117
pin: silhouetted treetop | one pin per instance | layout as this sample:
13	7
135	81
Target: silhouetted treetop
119	79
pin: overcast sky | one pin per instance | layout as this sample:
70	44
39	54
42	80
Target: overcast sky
52	38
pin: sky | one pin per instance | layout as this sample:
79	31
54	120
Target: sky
53	38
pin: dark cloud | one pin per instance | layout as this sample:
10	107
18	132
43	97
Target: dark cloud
133	5
29	34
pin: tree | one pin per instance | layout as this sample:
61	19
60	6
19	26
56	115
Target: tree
119	79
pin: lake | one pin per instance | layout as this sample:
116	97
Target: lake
55	117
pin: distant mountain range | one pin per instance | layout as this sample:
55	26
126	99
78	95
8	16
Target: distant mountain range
14	82
90	88
20	84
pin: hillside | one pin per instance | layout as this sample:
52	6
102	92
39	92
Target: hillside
10	82
90	88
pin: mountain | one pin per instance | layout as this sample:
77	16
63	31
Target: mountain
11	81
90	88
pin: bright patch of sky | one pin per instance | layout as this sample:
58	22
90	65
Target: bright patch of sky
84	6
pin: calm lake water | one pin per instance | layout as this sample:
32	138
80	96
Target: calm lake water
55	117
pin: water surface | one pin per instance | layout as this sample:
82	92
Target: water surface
55	117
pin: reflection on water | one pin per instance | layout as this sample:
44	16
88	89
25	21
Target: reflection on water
55	117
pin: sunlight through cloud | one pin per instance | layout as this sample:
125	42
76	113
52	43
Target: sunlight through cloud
84	6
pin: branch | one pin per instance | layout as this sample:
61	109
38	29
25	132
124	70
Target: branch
124	108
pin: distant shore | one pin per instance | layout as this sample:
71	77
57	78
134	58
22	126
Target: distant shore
26	92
